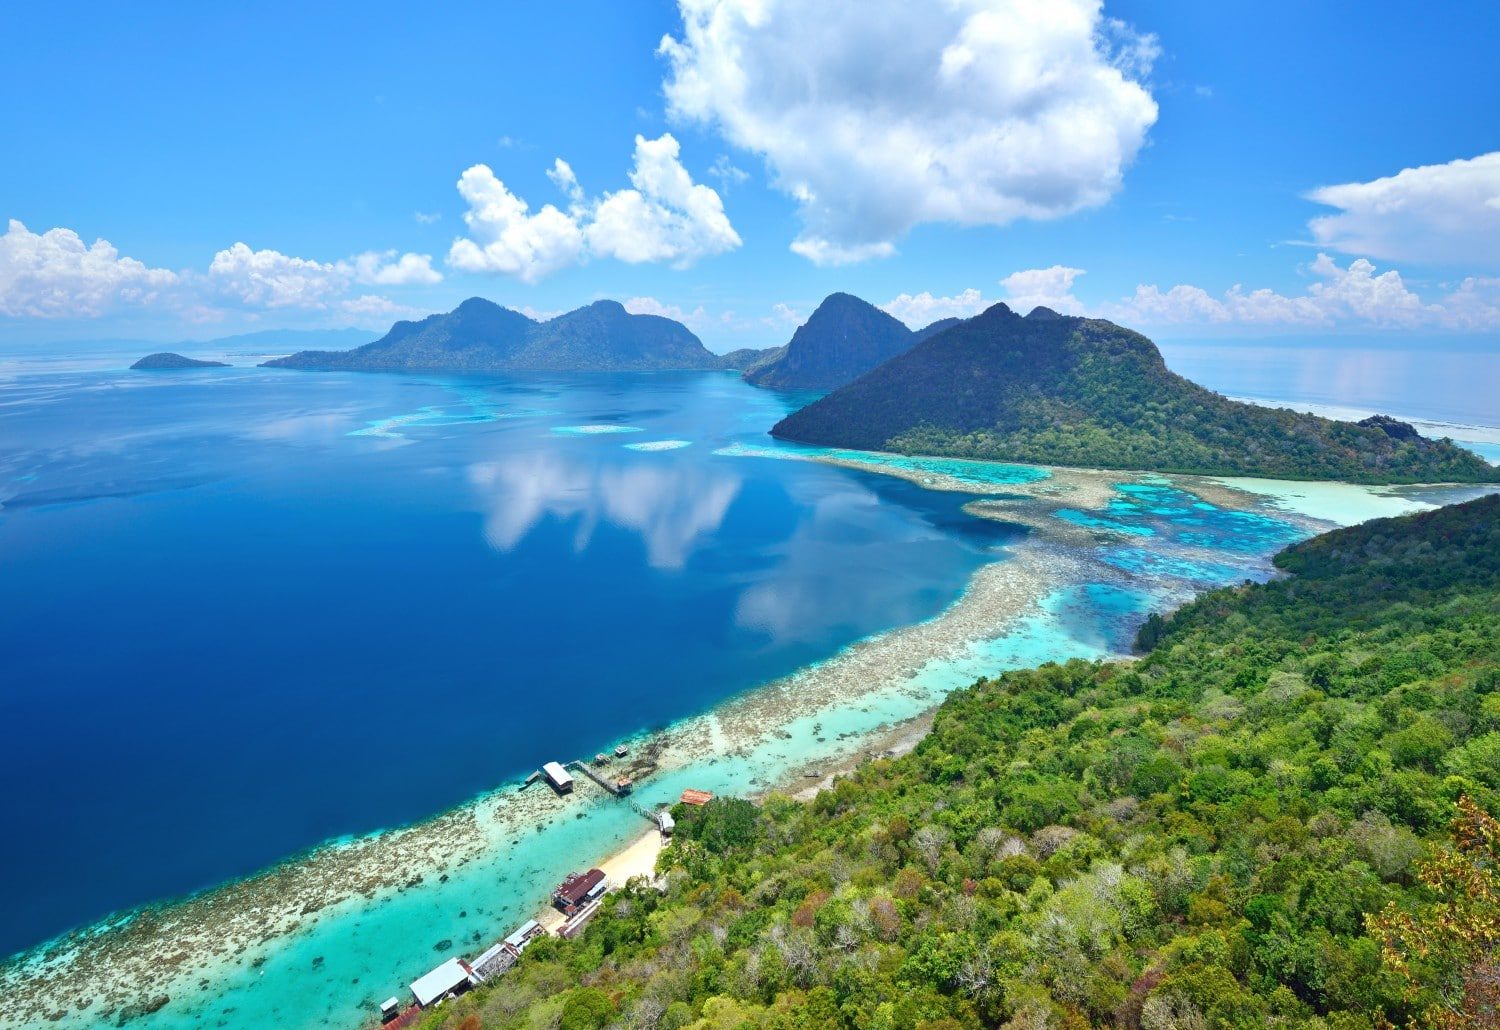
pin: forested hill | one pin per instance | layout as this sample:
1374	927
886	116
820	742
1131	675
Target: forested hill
1055	390
481	336
1248	827
841	341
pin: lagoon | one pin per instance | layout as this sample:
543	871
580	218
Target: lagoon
251	612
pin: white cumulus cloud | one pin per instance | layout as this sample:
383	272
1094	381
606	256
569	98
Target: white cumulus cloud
385	268
877	117
663	216
372	309
271	279
651	306
1043	287
1438	214
505	237
921	309
1356	294
56	275
666	217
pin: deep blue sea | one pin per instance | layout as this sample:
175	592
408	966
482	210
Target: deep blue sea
243	611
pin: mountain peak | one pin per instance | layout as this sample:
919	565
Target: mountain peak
482	336
842	339
1085	392
1043	314
998	310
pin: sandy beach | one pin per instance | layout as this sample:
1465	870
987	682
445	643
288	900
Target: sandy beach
440	879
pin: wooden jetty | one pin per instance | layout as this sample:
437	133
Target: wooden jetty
619	786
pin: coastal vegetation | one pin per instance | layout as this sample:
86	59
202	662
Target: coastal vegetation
1279	815
1053	390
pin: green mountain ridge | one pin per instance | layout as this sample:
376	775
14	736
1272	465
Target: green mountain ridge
841	341
1247	827
481	336
1058	390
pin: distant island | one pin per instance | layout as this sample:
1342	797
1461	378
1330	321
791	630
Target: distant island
748	360
166	360
842	340
1054	390
481	336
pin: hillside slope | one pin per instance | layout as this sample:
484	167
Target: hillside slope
481	336
841	341
1193	840
1057	390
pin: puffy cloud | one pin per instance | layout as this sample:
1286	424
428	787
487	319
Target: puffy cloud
664	216
1029	288
1440	214
1043	287
783	316
652	306
56	275
384	268
1475	304
271	279
372	309
921	309
506	237
1356	294
561	174
880	116
1154	306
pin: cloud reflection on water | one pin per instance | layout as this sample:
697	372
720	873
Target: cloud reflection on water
673	509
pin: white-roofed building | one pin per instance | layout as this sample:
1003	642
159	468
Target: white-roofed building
561	780
446	979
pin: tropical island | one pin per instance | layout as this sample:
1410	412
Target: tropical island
481	336
844	338
1048	389
1277	815
166	361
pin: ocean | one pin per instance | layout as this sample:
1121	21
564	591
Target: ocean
250	612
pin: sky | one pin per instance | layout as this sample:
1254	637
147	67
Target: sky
1269	170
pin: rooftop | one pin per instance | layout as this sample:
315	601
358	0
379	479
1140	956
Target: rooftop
432	986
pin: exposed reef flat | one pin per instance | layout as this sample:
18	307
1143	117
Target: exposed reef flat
226	941
1310	505
599	429
658	445
320	938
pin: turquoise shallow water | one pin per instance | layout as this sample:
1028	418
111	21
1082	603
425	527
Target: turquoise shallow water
262	595
395	578
335	972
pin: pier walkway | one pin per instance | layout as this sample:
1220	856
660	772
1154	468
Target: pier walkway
653	817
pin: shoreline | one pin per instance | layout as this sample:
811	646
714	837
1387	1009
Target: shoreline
137	957
817	723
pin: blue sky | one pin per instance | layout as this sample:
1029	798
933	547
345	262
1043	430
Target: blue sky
1137	162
